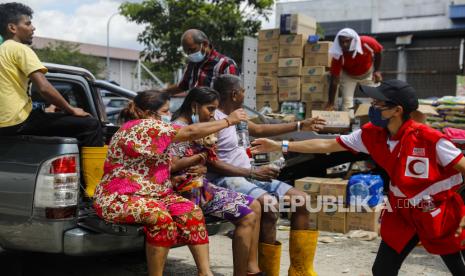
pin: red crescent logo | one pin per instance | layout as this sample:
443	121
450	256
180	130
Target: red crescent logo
411	167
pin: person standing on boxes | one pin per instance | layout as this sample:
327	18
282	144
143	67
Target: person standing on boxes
425	171
18	64
356	61
204	63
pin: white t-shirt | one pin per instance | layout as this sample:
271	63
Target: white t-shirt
446	152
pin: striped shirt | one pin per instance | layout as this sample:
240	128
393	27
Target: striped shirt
204	73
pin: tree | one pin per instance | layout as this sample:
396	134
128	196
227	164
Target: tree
226	22
68	54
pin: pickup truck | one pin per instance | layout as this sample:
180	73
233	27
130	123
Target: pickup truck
42	211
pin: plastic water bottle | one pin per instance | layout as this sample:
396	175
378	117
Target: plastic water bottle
356	124
278	164
427	204
242	130
301	112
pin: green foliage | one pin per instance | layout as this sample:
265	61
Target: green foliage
68	54
226	22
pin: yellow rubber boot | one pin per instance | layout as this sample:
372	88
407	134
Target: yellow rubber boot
302	248
269	258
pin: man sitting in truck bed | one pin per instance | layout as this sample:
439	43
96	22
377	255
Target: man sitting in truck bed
18	64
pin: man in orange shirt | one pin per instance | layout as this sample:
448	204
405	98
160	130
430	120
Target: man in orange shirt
356	61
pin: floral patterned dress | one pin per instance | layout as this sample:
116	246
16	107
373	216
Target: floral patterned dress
214	200
136	186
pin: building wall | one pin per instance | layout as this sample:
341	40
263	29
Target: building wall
385	16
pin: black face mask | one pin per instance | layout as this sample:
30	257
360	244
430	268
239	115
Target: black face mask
376	118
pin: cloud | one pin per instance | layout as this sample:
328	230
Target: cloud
84	21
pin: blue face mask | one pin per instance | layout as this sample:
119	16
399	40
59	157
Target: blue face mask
195	118
376	118
197	56
166	118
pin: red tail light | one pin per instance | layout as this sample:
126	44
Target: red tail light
64	165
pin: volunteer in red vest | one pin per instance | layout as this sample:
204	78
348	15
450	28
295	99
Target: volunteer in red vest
425	170
356	60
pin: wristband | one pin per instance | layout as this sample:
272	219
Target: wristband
285	146
299	126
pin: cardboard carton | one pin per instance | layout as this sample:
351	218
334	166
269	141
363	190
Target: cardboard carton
289	67
297	24
332	218
269	34
336	121
317	59
319	47
310	185
292	40
289	82
268	46
266	85
289	94
368	221
267	69
334	187
267	58
291	52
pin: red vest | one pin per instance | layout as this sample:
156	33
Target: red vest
415	172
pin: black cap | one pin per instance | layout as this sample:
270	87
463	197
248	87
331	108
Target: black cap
394	91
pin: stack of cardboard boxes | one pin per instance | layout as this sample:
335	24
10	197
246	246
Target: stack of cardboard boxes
267	69
299	67
334	216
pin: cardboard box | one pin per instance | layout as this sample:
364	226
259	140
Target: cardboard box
289	82
318	91
336	121
291	52
313	71
323	79
267	69
266	85
317	60
332	218
289	67
267	98
311	104
334	187
269	34
297	24
267	58
273	104
310	185
289	94
363	221
292	40
268	46
319	47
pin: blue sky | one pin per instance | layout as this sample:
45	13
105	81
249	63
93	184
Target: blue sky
85	21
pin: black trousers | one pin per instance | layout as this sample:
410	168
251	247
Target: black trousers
87	130
388	261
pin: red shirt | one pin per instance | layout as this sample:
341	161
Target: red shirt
361	63
204	73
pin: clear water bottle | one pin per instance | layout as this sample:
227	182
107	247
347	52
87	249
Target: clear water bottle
356	124
278	164
301	112
427	204
242	130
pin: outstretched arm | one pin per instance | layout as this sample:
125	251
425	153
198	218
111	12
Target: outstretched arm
263	145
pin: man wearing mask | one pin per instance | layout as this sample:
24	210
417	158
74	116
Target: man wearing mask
204	63
356	61
425	169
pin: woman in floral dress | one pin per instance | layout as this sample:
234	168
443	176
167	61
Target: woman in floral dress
136	186
189	160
